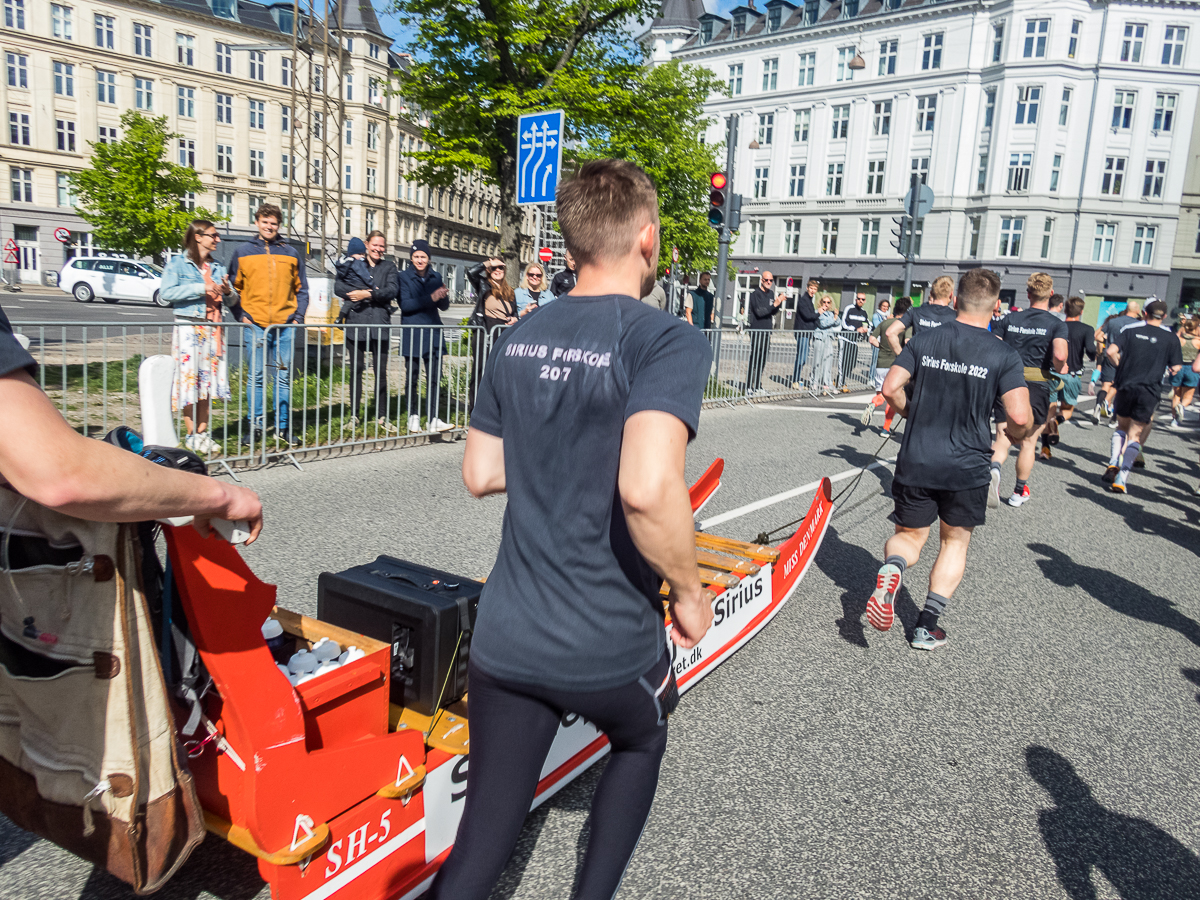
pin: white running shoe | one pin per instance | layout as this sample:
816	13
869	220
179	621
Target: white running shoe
865	418
1019	498
414	424
993	500
880	607
436	424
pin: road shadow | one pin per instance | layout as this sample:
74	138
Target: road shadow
1141	520
852	569
215	868
1118	594
1139	859
1192	675
1157	464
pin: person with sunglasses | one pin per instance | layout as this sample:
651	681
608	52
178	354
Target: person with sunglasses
194	283
533	291
762	307
493	295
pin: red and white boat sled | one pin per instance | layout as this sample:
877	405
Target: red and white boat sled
342	796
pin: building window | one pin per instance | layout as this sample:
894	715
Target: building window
1143	245
66	196
1164	111
61	24
349	83
997	42
811	10
318	125
143	93
285	119
981	174
1036	31
374	93
186	102
735	80
1176	37
758	233
1028	99
22	185
706	31
185	49
1019	165
318	79
287	167
919	166
1047	235
1073	43
1131	46
258	65
926	108
989	107
1114	176
64	79
1055	172
285	71
800	133
875	176
841	121
187	153
883	117
770	74
370	226
258	164
255	201
807	69
348	130
18	129
833	179
1102	243
225	204
849	9
844	72
931	51
143	40
766	128
225	110
316	217
318	170
1156	173
288	208
14	14
18	69
887	57
869	241
1122	117
224	159
796	182
1064	109
829	233
791	237
761	175
258	114
371	179
106	135
1011	229
372	135
348	178
224	59
738	25
106	86
973	223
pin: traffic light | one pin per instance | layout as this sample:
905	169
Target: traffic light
735	212
899	243
717	199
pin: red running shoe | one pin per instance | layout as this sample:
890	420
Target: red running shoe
880	612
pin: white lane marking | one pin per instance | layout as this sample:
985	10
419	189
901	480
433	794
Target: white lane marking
132	312
857	408
787	495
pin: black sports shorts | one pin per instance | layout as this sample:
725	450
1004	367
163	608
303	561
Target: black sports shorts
1107	371
1039	402
921	507
1138	402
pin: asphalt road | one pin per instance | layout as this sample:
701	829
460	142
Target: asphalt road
1048	751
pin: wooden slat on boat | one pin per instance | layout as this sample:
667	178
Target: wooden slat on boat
757	552
726	564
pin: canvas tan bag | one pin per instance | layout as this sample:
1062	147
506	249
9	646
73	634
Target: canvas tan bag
88	752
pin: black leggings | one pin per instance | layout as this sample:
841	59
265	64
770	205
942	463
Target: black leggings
512	727
412	382
358	362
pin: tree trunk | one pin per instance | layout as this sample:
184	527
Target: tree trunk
512	219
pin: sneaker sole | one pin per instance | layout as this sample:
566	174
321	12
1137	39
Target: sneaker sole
1017	501
880	615
932	645
993	500
865	418
1110	474
1117	488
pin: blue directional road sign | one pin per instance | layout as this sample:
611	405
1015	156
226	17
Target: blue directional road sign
539	156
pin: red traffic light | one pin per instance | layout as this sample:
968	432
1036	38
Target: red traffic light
718	180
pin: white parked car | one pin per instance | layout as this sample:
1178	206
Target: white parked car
111	279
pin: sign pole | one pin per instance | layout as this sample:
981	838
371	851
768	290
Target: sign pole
731	131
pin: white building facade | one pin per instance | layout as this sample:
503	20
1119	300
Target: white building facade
1054	135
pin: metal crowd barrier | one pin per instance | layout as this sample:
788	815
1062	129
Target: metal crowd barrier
327	389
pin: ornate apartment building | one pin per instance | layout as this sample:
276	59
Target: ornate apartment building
1054	136
307	124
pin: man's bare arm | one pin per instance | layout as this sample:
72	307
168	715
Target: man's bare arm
892	333
483	463
894	383
1018	414
49	462
654	496
1059	348
1114	353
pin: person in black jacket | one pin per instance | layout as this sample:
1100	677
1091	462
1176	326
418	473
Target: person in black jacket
422	294
495	307
371	306
565	280
804	326
760	321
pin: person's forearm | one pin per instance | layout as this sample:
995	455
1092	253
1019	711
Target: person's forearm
664	532
893	338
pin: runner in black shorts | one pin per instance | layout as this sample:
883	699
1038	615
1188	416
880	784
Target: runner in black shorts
1041	341
956	373
1105	335
1141	353
593	399
1080	343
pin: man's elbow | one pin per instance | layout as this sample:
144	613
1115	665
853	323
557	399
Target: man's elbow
644	493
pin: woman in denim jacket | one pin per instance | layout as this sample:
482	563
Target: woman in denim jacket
194	284
824	335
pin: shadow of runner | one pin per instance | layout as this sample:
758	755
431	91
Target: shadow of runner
1118	594
852	569
1192	675
1138	858
1141	520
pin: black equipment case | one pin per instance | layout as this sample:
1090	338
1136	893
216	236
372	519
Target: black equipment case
425	614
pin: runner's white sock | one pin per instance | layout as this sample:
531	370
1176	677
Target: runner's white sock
1118	444
1132	449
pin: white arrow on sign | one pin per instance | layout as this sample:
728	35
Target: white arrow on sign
527	136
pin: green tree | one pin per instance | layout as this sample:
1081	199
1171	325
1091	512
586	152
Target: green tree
479	64
131	193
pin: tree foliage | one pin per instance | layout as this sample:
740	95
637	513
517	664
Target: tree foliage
479	64
131	193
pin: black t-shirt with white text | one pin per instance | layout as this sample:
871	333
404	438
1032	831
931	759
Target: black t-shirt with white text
1031	332
1146	352
13	357
928	315
1081	341
571	603
958	372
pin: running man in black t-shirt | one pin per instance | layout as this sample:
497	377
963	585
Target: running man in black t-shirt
1080	343
1104	337
956	372
1141	353
1041	341
584	413
938	311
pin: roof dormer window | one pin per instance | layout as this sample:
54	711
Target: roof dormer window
811	9
849	9
225	9
739	25
706	31
774	18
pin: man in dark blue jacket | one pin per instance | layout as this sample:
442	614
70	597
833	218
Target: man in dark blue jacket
804	326
760	319
422	294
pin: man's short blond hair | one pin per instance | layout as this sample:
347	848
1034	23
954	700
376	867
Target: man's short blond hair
1039	286
942	288
602	209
